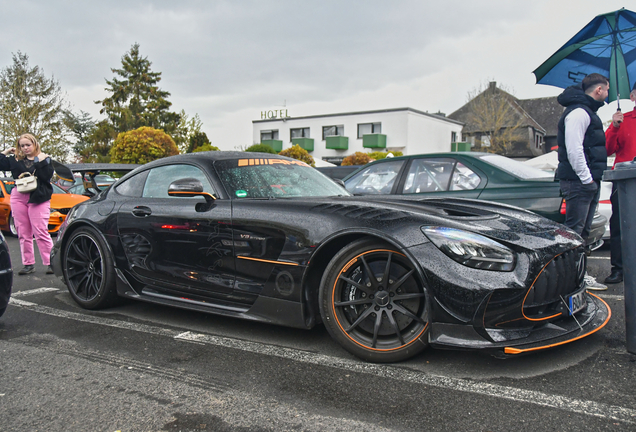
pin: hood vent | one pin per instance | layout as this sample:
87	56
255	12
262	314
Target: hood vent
358	212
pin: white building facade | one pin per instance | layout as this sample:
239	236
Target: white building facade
332	137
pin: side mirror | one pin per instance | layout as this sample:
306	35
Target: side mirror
340	182
189	187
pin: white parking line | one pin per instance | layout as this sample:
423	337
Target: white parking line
596	409
33	292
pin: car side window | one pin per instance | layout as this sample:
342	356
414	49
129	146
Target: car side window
376	179
464	178
160	178
133	186
428	175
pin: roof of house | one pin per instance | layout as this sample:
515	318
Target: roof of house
546	111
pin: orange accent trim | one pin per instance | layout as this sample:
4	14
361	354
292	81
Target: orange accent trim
336	316
509	350
267	261
247	162
531	286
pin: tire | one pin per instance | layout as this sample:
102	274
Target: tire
12	229
383	318
89	270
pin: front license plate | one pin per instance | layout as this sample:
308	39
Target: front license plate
576	302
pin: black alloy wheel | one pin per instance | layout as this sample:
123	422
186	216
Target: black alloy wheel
374	304
88	270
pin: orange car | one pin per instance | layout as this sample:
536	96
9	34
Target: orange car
61	204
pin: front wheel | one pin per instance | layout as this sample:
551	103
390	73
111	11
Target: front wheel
12	229
374	304
88	270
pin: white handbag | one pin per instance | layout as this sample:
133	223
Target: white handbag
26	183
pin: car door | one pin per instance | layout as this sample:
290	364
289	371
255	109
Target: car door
5	205
440	177
177	246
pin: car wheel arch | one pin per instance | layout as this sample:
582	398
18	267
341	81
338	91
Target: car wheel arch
322	257
83	224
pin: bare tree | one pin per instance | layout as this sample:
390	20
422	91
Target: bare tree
32	103
494	118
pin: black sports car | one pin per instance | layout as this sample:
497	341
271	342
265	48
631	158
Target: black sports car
268	238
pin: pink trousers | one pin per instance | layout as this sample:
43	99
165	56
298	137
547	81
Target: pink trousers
32	220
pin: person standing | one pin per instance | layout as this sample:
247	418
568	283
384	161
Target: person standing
582	155
31	210
620	139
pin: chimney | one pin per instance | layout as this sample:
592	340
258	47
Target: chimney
492	86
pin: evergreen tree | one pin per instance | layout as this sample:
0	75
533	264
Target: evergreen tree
136	100
32	103
197	140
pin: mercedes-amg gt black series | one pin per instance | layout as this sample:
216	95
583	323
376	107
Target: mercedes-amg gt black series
268	238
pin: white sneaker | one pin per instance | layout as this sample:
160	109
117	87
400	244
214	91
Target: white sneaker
592	285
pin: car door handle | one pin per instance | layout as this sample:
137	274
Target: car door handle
141	211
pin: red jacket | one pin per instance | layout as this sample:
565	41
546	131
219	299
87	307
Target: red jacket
622	140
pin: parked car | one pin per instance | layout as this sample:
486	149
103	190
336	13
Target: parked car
483	176
61	203
268	238
338	172
6	275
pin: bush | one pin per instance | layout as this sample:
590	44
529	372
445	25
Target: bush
358	158
142	145
198	139
260	148
381	155
206	147
297	152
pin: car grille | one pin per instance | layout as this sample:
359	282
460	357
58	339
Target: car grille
562	276
64	211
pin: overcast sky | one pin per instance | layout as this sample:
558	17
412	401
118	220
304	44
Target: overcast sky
230	60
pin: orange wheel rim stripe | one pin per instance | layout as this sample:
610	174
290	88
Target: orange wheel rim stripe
333	308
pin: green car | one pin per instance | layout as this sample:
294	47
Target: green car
483	176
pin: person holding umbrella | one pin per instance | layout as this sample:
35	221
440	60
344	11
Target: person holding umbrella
582	155
620	139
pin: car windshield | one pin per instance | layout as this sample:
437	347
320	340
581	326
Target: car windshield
8	185
279	178
516	168
57	189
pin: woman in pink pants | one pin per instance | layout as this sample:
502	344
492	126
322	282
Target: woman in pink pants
31	209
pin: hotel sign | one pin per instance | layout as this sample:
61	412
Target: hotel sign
274	114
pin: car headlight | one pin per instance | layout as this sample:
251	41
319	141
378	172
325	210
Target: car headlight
470	249
54	210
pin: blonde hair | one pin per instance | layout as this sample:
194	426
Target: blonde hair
19	155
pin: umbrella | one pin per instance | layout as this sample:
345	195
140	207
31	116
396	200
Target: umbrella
607	45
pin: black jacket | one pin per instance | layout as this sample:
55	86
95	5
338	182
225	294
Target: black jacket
43	171
594	140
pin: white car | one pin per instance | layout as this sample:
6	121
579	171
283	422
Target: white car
605	206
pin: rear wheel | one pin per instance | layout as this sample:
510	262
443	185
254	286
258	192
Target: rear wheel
373	303
88	270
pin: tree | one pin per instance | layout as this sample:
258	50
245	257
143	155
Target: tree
142	145
186	130
260	148
358	158
135	99
32	103
100	142
197	140
297	152
81	127
494	118
206	147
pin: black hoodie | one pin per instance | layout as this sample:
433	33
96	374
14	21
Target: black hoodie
594	140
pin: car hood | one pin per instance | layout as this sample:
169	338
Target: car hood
500	222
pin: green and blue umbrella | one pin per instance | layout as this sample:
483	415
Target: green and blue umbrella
607	45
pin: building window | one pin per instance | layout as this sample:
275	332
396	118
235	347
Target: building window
332	131
369	128
269	135
472	141
453	137
538	140
485	140
299	133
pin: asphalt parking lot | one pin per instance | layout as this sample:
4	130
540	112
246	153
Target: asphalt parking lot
76	367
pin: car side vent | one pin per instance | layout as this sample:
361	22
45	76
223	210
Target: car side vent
357	212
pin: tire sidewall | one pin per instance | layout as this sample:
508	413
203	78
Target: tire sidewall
106	293
329	278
